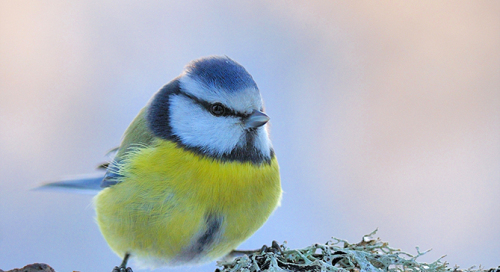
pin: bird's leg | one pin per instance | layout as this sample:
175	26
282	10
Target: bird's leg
275	248
123	267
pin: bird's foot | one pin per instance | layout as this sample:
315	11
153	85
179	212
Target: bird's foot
274	248
122	269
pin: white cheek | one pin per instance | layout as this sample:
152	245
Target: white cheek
263	143
198	128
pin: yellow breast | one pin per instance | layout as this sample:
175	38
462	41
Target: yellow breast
176	207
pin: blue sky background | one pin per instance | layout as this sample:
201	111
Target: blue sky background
383	114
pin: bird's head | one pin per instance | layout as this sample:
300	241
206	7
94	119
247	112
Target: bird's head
213	108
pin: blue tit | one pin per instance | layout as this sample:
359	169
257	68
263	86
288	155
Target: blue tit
195	174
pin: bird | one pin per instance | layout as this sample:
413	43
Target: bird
195	173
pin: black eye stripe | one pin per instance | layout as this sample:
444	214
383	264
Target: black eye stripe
208	106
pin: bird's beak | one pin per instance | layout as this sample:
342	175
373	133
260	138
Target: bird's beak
256	119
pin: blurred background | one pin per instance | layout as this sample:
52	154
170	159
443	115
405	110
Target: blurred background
384	114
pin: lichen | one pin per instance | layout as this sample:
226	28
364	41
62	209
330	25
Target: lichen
371	254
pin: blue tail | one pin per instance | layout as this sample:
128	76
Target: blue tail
85	184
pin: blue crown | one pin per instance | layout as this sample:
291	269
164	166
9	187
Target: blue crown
220	72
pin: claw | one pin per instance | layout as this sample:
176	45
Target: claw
122	269
276	247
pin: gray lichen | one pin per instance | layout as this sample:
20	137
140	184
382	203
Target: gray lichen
337	255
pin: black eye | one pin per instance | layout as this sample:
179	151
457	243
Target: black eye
217	109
